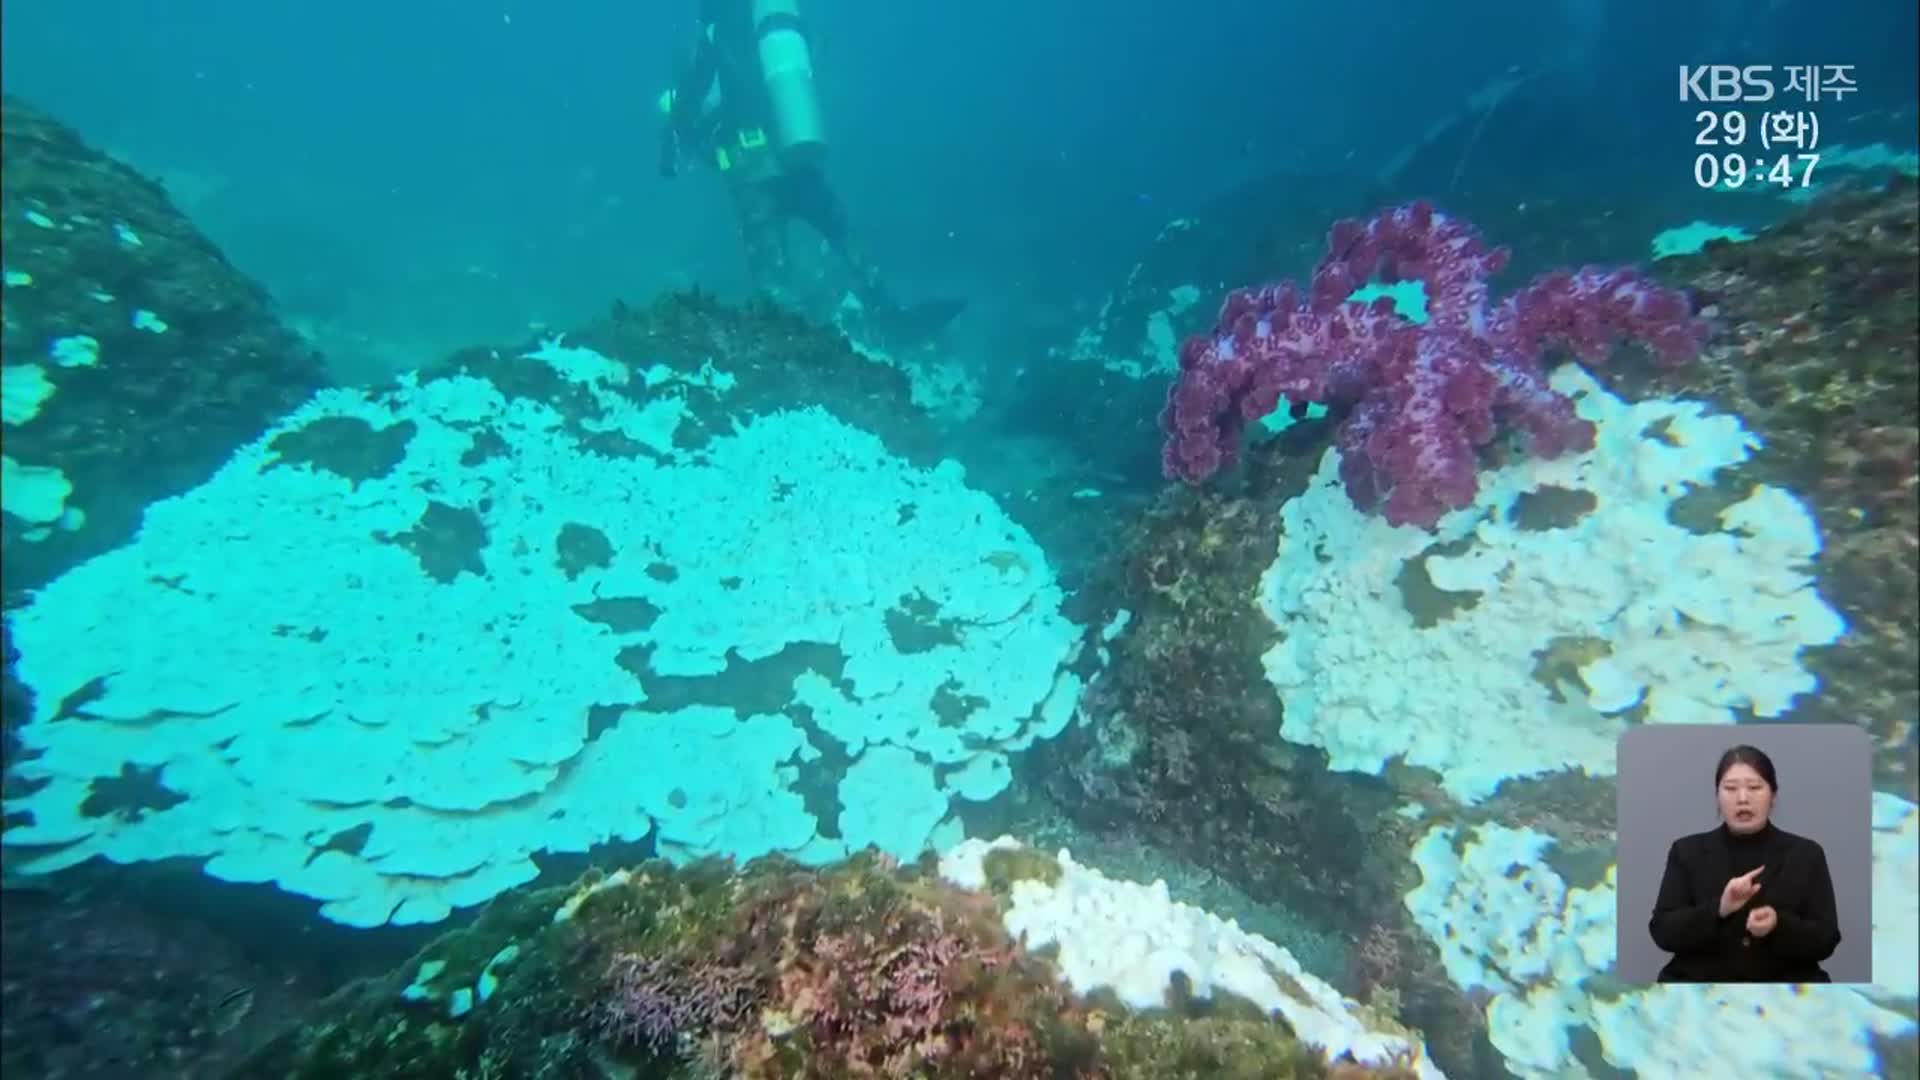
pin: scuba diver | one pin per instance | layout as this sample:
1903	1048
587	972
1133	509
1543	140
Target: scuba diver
745	102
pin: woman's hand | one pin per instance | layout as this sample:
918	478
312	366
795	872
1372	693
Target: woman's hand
1738	891
1761	921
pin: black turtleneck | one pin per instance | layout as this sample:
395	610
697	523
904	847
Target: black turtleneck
1746	851
1707	947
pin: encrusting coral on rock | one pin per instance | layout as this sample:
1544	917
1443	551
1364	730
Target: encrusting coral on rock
865	969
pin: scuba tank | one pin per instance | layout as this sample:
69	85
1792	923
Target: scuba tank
786	68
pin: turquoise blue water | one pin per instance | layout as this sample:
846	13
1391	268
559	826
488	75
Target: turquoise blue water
419	495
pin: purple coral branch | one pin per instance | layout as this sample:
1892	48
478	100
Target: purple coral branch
1423	396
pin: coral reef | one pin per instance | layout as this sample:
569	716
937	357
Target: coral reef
745	621
867	969
1818	351
1424	397
1179	747
151	346
654	1002
782	361
128	338
779	359
1814	349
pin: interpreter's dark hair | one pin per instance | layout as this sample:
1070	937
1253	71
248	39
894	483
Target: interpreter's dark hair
1751	756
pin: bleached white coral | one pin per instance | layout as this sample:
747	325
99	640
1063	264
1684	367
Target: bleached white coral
1131	938
1687	627
1506	923
397	739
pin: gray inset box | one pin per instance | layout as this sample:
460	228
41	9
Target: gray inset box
1666	792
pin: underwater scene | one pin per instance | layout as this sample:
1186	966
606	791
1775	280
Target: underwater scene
830	538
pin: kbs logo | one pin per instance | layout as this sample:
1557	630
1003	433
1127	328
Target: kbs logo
1726	82
1751	84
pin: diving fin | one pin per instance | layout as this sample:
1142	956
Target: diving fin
914	324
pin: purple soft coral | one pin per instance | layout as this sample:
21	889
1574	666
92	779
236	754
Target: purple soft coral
1424	396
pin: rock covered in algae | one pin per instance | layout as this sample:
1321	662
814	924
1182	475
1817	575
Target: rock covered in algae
865	969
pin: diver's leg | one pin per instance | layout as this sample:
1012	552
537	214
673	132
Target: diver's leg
812	200
763	236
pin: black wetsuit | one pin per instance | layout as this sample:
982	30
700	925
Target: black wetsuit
1707	947
767	191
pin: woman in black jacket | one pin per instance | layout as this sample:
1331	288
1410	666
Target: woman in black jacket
1747	902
